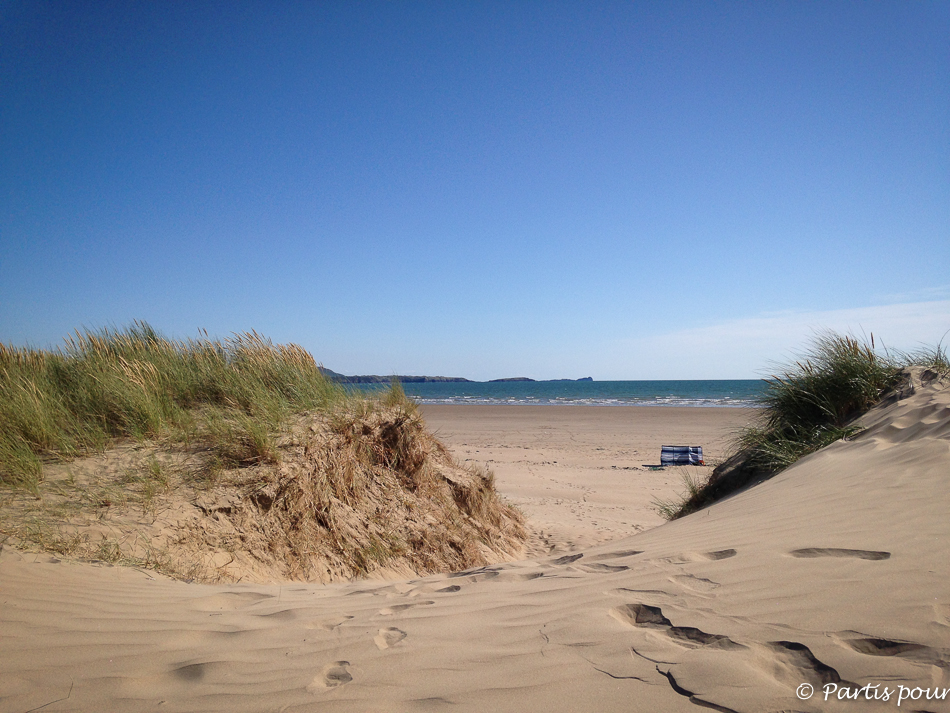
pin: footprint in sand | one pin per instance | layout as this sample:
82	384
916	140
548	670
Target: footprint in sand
697	584
719	554
645	616
687	557
567	559
600	568
229	601
328	624
810	552
475	575
626	592
641	615
618	554
396	608
792	663
525	576
692	638
375	591
903	649
449	589
389	637
332	675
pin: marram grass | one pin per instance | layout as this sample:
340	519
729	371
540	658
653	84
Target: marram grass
101	385
808	405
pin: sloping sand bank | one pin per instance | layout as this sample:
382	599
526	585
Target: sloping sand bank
835	571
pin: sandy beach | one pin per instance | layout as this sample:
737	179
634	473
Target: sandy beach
830	577
342	345
580	472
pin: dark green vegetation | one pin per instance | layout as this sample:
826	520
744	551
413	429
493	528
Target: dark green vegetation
807	405
231	396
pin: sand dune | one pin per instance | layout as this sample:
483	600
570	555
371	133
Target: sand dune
833	573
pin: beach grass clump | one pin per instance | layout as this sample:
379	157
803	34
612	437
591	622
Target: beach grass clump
811	403
807	405
933	358
231	395
671	509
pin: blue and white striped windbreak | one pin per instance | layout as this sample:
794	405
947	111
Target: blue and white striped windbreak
681	455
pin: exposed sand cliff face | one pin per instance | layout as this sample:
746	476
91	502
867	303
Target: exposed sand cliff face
835	572
364	492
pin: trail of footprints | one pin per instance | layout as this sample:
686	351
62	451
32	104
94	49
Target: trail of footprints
788	661
337	673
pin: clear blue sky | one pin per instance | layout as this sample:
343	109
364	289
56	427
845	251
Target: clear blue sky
619	190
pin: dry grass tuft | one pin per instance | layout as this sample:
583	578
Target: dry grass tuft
368	490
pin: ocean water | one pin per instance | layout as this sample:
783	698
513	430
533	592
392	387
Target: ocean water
735	393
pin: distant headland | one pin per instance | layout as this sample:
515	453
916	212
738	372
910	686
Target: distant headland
376	379
525	378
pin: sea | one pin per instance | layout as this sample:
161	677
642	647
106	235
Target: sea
743	393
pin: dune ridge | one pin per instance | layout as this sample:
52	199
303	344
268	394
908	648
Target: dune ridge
834	572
